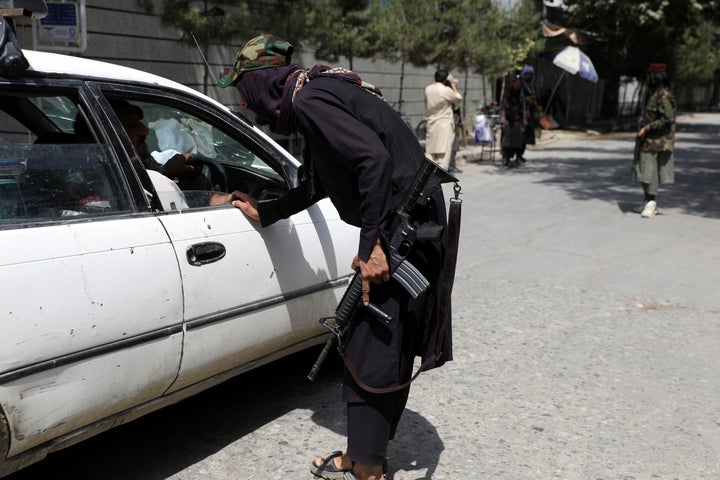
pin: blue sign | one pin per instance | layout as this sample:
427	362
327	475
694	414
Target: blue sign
61	14
64	28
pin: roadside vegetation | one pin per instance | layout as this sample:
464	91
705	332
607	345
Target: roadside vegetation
473	36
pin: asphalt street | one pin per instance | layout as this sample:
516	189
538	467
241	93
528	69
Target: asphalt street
587	344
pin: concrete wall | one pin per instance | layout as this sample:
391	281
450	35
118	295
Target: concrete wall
120	32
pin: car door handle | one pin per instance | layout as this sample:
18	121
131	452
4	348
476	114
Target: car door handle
204	253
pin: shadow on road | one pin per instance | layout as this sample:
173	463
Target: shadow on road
598	170
416	447
170	440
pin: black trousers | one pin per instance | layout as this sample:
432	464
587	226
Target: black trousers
372	424
383	357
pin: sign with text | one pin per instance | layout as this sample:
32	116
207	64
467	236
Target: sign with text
64	27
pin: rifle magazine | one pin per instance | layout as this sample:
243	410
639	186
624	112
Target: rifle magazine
412	280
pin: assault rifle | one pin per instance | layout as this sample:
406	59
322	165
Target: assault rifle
404	234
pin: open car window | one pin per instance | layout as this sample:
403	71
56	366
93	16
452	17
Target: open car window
52	168
223	161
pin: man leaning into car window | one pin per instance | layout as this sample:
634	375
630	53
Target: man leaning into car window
130	117
360	154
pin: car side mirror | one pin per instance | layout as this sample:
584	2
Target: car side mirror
12	60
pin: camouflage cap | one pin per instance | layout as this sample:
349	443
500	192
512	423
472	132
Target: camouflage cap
263	51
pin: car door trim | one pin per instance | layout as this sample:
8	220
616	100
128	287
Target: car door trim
269	302
88	353
162	333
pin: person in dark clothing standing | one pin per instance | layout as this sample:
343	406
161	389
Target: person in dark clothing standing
361	155
528	74
514	121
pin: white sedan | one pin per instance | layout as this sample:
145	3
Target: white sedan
120	292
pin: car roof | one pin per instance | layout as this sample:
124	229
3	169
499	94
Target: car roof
66	65
83	68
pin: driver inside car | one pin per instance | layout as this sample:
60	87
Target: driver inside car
130	117
171	196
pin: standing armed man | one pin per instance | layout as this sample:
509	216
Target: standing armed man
654	163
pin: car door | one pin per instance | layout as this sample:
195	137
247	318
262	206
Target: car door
90	286
251	294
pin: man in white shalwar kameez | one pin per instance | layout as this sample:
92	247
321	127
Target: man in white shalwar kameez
440	97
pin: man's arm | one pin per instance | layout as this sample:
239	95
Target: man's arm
455	96
268	212
357	148
246	203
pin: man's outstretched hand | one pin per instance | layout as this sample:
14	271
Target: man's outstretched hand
246	203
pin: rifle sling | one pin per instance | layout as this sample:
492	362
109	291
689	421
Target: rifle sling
447	276
367	388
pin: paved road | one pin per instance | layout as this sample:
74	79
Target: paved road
587	344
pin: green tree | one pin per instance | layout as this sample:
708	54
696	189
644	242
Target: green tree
202	26
205	23
491	41
697	54
338	28
469	35
630	35
403	31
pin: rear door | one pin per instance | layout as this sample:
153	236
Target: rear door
90	287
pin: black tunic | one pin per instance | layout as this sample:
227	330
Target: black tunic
365	159
514	118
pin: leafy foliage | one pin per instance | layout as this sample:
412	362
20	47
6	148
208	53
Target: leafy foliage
207	24
630	35
338	28
469	35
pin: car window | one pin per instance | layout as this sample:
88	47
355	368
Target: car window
60	110
175	128
51	166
